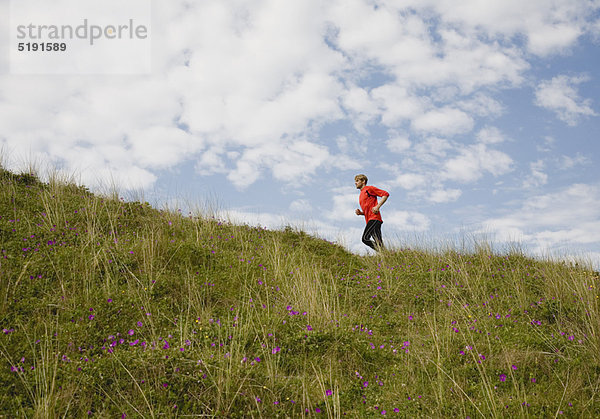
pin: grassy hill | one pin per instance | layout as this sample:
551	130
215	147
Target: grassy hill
115	309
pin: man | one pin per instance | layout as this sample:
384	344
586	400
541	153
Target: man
370	209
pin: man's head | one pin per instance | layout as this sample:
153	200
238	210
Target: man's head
360	181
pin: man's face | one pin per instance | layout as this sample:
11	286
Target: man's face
359	183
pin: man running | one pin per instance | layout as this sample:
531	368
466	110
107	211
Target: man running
370	209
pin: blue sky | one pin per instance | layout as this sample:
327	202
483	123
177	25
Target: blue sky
479	117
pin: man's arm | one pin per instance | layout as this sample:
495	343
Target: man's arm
381	202
359	212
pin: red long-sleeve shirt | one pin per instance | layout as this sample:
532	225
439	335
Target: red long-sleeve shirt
368	199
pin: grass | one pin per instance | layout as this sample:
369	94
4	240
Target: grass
115	309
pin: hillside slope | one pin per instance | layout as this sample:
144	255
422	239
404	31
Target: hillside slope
111	308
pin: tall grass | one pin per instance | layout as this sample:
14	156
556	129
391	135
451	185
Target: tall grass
112	308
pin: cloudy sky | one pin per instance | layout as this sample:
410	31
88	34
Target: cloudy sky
480	117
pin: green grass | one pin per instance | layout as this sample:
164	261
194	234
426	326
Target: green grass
111	308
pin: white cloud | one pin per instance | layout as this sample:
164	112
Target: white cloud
537	177
343	144
482	105
548	144
249	78
445	121
269	220
470	63
410	181
551	38
490	135
351	146
121	126
564	218
405	44
295	160
365	31
397	104
299	160
442	196
344	205
210	162
568	162
398	144
98	166
162	147
548	25
406	220
341	162
246	172
362	108
474	161
431	149
560	96
301	206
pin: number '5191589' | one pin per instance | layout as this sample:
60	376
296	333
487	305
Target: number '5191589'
42	46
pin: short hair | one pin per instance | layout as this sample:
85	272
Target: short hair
361	177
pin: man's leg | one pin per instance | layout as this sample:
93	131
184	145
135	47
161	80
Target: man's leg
373	229
377	236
